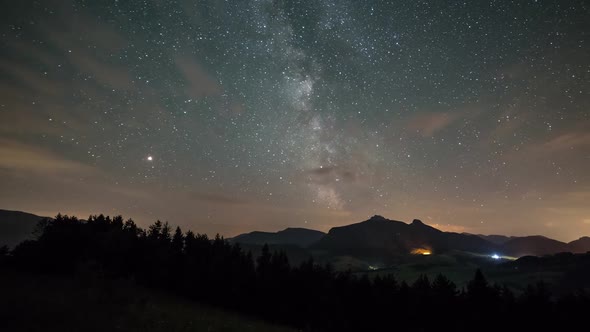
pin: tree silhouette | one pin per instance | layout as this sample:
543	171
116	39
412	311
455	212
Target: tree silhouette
178	241
443	289
309	296
478	286
4	251
155	231
165	233
263	262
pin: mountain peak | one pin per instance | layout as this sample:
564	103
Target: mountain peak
377	218
383	237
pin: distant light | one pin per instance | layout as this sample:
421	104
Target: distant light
150	158
495	256
421	251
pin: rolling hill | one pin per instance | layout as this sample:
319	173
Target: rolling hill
581	245
533	245
301	237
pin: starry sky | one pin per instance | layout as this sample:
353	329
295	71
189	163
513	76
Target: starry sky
233	116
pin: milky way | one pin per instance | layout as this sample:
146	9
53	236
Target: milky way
230	116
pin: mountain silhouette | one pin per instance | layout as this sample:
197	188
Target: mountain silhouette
301	237
16	226
581	245
376	236
535	245
495	238
381	236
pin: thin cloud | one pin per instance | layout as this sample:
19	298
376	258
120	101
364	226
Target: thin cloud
428	124
20	157
106	74
198	82
31	79
568	141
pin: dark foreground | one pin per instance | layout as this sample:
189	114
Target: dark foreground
59	303
84	276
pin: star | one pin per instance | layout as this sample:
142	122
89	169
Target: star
359	108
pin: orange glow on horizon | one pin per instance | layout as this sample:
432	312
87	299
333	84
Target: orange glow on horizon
421	251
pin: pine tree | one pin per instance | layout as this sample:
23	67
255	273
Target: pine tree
155	230
165	234
443	288
178	241
263	261
478	286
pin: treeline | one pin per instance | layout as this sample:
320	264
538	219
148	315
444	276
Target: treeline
308	296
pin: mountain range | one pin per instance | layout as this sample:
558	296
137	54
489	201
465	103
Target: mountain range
379	236
376	236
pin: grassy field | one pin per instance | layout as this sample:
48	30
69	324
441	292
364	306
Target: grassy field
32	303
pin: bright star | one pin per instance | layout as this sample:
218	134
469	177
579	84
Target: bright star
150	158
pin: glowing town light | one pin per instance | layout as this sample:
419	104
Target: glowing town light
495	256
421	251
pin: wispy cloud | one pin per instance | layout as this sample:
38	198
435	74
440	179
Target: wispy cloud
116	77
73	46
23	158
568	141
198	82
30	79
428	124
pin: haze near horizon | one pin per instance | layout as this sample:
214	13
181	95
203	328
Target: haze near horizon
229	117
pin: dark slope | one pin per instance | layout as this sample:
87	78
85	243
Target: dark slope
533	245
389	237
581	245
301	237
496	239
16	226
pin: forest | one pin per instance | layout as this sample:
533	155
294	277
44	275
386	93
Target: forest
309	296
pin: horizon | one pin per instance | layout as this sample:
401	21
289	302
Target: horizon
277	228
227	117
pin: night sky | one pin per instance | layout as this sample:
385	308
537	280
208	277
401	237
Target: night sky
233	116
